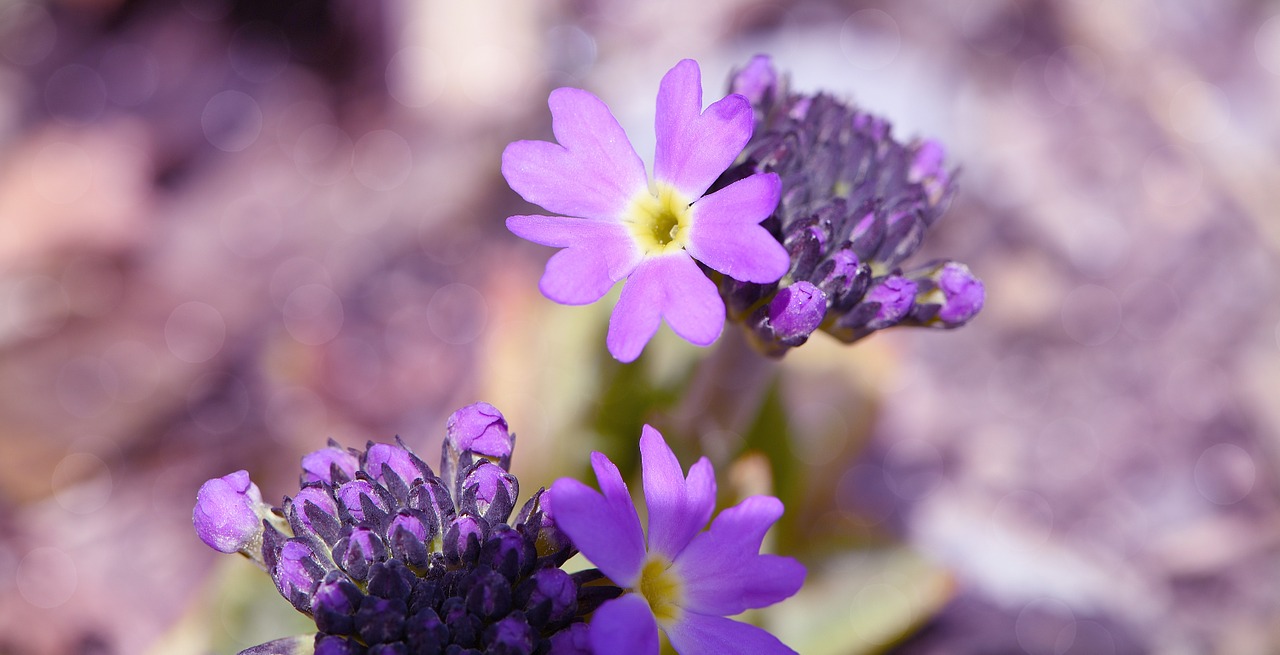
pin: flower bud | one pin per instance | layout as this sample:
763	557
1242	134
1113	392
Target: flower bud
895	294
463	539
510	635
573	640
296	572
331	465
227	515
335	603
758	81
400	462
489	491
360	499
479	428
508	552
552	596
796	312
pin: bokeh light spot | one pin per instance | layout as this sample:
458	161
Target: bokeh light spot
322	154
27	33
33	306
47	577
1066	449
413	76
1045	626
1225	473
232	121
457	313
75	94
313	314
383	160
1091	314
131	74
870	39
251	228
293	273
195	332
1266	45
1074	75
912	469
1199	111
81	483
134	364
1151	309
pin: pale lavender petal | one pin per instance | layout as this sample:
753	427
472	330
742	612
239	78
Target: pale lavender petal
593	172
678	508
726	234
670	287
597	254
625	626
604	527
695	147
695	634
722	569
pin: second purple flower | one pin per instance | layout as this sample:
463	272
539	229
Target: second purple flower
617	224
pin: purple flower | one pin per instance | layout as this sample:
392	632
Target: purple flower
616	224
226	512
682	580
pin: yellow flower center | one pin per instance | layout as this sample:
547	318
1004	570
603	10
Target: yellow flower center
659	222
662	588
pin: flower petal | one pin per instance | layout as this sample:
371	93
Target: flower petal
624	626
695	634
593	172
605	527
726	234
694	146
678	508
723	570
670	287
597	254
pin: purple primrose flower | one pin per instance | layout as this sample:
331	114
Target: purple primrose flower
682	580
616	223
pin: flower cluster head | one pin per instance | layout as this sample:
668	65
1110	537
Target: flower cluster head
391	559
855	203
616	223
681	579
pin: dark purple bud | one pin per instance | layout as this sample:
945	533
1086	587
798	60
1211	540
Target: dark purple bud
391	579
331	465
357	495
426	632
357	553
226	515
843	279
805	243
573	640
380	620
964	294
434	501
479	428
554	594
927	171
903	236
537	519
463	539
758	81
397	648
488	594
488	491
895	295
464	628
296	573
867	235
333	645
335	603
397	459
510	635
316	512
508	552
796	312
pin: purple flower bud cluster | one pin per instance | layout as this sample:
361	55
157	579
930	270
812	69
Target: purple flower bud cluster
855	204
389	558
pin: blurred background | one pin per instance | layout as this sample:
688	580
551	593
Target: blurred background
231	230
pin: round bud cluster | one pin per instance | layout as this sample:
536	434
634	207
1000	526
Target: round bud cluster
855	204
391	559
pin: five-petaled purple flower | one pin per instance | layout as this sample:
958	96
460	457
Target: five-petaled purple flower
682	580
618	224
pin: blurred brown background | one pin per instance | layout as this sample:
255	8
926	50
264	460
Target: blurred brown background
230	230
